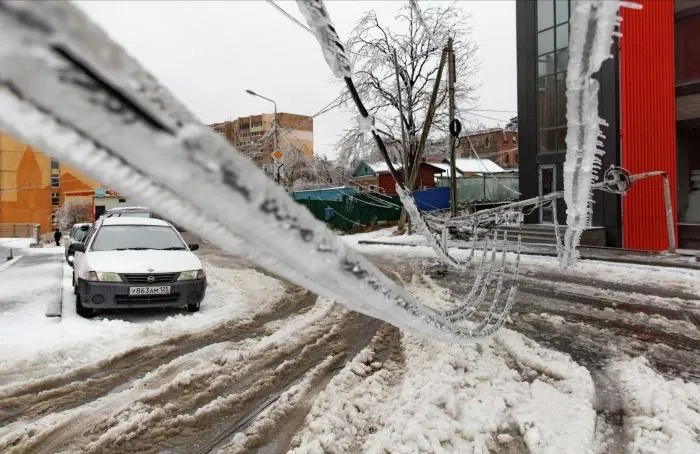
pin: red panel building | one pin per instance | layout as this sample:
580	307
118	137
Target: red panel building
650	98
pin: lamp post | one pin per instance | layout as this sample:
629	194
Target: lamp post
274	118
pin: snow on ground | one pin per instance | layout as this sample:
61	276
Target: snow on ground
439	397
680	278
661	416
16	243
452	398
30	342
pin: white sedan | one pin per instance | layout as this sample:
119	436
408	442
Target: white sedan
130	262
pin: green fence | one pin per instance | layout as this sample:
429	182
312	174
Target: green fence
355	212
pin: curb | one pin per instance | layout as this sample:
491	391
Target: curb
8	264
650	261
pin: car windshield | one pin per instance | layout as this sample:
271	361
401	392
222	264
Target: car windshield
137	237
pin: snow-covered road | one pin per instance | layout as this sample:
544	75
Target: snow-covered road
266	367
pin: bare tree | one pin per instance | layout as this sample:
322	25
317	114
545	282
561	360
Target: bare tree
418	54
72	213
308	172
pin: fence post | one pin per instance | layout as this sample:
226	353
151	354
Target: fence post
669	215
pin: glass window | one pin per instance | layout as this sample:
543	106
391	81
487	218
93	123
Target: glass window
545	42
687	54
545	65
562	11
546	103
561	140
55	181
137	237
561	100
545	14
562	60
562	36
55	199
54	164
548	141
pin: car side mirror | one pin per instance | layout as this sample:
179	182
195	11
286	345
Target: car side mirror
70	259
76	247
194	246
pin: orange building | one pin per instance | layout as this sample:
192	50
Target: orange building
33	185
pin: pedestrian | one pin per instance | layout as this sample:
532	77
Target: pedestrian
57	236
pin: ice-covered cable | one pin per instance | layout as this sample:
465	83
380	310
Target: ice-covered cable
593	25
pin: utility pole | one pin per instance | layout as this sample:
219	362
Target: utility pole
426	130
404	155
451	79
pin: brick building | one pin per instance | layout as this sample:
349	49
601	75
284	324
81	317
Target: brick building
497	144
254	135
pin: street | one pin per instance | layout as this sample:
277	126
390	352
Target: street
268	367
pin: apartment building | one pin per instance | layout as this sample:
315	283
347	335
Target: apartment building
255	136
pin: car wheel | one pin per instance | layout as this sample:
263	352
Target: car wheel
82	310
193	307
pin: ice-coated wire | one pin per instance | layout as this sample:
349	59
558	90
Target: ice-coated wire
593	25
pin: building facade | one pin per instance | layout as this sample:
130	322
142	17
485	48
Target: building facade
650	100
255	135
33	185
497	144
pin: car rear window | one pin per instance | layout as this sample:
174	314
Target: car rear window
136	237
79	234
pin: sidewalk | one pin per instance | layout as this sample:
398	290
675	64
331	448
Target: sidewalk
684	259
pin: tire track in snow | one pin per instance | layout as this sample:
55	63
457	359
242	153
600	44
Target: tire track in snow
58	393
208	396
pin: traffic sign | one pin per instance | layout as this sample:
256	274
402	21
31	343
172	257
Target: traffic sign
277	155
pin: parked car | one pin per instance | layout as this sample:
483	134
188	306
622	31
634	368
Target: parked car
136	211
133	262
76	235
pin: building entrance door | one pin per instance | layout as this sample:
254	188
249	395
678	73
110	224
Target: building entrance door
547	184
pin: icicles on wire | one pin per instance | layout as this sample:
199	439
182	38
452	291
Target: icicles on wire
593	24
316	15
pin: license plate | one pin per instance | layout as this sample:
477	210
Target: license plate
162	290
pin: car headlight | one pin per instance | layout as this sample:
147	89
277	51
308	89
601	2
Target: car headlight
91	276
191	275
108	277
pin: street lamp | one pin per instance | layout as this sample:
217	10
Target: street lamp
274	118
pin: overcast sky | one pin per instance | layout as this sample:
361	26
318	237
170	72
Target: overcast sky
209	52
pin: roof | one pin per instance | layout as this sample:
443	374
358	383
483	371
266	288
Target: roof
381	167
118	220
473	165
445	168
136	208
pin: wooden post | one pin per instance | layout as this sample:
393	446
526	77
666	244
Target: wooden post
451	76
410	184
404	155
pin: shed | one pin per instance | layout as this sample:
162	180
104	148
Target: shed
377	177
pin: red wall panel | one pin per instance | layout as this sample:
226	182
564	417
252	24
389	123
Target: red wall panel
648	119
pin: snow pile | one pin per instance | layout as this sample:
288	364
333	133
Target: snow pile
661	416
16	243
31	344
454	398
